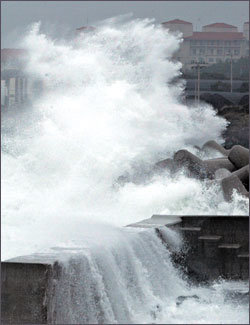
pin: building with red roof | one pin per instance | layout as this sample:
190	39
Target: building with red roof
220	27
216	42
185	27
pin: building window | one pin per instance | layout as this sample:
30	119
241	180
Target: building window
210	60
219	51
236	52
193	51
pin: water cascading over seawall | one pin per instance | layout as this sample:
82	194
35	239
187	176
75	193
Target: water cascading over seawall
130	280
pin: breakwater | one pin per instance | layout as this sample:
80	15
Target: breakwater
230	170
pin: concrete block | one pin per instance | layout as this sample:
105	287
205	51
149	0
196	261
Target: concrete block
212	145
239	156
168	164
231	183
194	165
221	173
243	174
214	164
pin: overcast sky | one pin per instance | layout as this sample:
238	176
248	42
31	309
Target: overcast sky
65	16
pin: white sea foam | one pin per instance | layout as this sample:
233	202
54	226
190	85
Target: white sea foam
108	109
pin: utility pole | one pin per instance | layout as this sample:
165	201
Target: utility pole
231	74
198	86
195	91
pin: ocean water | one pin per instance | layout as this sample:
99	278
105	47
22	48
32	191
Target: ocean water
109	108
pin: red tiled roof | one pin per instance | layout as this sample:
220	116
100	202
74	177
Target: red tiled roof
7	54
177	21
224	36
220	25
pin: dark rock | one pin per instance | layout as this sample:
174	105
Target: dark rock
180	299
198	148
244	100
239	156
216	100
215	146
237	131
240	297
231	183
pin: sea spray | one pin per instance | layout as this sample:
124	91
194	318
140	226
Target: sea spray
129	278
108	108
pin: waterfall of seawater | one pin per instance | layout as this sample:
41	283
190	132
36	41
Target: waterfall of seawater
108	109
131	279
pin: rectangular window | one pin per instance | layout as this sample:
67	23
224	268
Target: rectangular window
211	60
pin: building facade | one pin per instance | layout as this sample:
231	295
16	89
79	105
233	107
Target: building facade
16	88
217	42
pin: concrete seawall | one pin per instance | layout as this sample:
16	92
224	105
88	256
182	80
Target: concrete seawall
217	246
27	286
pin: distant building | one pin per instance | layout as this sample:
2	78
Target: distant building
217	42
246	30
178	25
220	28
16	87
12	58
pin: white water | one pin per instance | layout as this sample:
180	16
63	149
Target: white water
130	279
108	110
